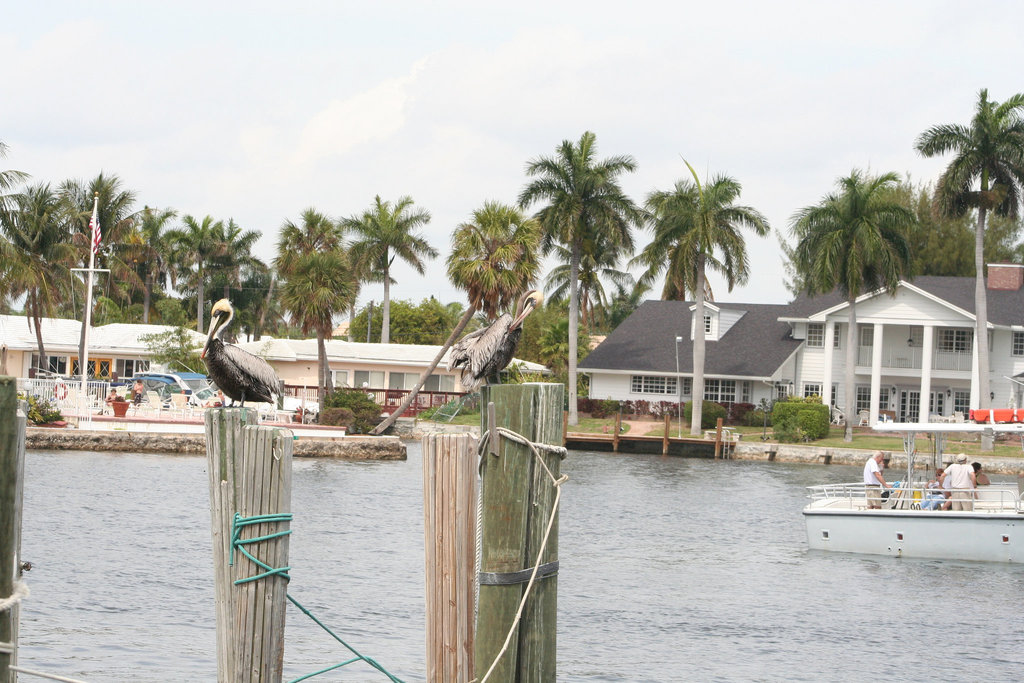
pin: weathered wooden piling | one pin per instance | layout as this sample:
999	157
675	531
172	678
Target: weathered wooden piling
665	434
718	438
517	501
250	471
449	525
12	466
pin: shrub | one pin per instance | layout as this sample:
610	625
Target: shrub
41	411
342	417
603	408
710	412
755	418
790	426
738	413
365	411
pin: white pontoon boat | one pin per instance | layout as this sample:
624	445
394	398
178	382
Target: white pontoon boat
838	518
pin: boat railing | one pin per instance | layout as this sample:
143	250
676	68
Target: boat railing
852	495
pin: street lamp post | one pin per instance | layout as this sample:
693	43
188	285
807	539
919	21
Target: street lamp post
679	391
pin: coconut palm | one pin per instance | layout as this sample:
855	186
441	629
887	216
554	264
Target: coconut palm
152	251
193	248
853	240
595	263
386	232
495	258
233	257
987	174
36	254
8	180
584	204
698	228
316	274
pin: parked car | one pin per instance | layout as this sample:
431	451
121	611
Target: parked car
193	384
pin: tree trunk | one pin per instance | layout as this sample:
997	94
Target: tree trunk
385	325
324	372
351	318
466	317
981	318
574	328
258	332
697	414
199	302
849	390
147	295
36	319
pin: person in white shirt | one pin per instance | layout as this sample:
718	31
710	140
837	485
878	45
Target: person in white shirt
961	479
874	482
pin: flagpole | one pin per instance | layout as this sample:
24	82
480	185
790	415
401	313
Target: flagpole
93	246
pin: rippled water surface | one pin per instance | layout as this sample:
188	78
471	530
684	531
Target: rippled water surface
672	569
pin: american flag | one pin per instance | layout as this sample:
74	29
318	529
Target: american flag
94	225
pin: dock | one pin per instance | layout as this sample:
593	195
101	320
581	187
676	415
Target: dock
717	443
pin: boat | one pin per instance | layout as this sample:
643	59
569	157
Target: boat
838	519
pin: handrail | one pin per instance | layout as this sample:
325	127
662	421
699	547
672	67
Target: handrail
992	498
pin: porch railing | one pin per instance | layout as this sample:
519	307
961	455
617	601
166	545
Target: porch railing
388	399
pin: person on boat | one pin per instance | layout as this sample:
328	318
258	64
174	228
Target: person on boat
980	478
874	482
935	496
138	392
962	482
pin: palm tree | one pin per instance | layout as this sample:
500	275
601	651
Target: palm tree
853	240
698	228
595	263
153	251
233	256
36	256
584	201
316	274
194	246
8	179
986	174
386	232
495	258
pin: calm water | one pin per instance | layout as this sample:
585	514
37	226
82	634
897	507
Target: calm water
671	570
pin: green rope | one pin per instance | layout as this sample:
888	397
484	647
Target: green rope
237	524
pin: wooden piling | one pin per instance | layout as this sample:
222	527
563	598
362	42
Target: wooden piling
618	432
718	438
449	520
665	436
518	498
250	472
12	466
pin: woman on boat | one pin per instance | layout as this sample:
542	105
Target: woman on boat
980	478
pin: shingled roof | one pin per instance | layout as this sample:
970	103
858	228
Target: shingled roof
1005	307
646	342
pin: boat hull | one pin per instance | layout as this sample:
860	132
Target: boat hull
984	536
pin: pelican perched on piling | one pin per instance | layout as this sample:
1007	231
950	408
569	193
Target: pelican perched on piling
486	352
238	373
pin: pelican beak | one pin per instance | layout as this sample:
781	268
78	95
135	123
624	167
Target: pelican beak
215	323
531	301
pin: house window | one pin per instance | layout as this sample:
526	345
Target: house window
957	340
812	389
339	378
371	379
835	390
707	324
652	384
864	398
962	402
815	336
836	336
687	386
937	402
916	338
54	364
748	388
720	390
867	335
127	367
1017	347
440	383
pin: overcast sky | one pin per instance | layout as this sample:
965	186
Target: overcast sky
256	111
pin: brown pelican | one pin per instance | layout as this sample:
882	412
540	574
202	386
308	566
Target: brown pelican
486	352
239	374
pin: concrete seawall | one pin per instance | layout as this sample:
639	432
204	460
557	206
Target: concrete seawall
348	447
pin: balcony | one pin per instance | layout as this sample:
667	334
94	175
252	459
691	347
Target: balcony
910	358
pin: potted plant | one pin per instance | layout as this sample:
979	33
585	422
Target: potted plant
120	406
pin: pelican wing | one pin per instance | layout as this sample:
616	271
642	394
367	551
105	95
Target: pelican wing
473	351
260	373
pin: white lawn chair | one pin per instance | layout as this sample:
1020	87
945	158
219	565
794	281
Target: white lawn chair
838	416
180	404
863	418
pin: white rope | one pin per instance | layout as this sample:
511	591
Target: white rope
557	483
20	592
52	677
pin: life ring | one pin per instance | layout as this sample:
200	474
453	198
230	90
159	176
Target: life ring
60	391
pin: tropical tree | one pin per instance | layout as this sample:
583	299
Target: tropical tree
626	298
36	254
596	262
386	232
316	287
698	228
494	259
153	251
233	258
854	240
193	248
8	180
986	174
584	205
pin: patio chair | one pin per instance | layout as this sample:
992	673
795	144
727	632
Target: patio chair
179	404
838	416
863	418
957	416
152	402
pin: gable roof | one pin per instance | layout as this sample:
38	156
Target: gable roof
1004	306
755	346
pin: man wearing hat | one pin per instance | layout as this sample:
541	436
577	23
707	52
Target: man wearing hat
961	479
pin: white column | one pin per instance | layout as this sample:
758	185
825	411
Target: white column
876	370
975	397
826	378
926	374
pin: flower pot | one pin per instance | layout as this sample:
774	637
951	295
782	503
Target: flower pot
120	408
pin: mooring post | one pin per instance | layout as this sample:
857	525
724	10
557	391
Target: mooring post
618	432
250	471
718	438
449	521
665	437
12	467
517	501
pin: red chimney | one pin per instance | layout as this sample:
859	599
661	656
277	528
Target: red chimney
1005	276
